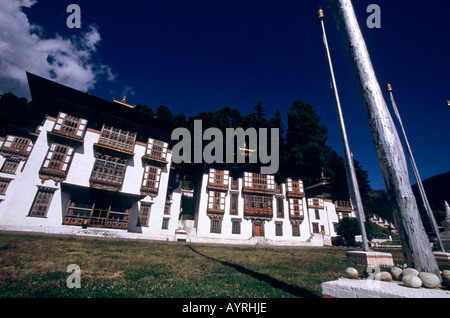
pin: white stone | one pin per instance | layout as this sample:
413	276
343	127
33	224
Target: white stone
384	276
396	272
446	278
410	271
351	273
412	281
344	287
429	280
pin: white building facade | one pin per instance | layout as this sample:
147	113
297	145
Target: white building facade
76	180
96	168
251	208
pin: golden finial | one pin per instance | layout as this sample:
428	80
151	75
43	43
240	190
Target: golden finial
123	102
320	15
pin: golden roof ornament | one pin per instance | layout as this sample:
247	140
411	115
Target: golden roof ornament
123	102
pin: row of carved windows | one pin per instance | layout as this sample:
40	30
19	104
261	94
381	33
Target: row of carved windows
216	227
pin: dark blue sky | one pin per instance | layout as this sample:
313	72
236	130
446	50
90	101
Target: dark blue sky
200	55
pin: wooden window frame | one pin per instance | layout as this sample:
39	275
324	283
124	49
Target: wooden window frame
280	207
218	178
144	214
151	180
278	228
216	226
296	207
4	184
315	227
57	161
10	165
236	226
156	149
167	208
108	170
70	126
234	204
117	138
165	224
16	146
295	230
216	201
42	201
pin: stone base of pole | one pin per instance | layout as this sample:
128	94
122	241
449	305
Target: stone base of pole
370	258
351	288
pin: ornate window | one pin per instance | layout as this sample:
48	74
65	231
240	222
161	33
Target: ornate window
56	162
258	206
258	181
108	172
70	126
216	225
16	146
296	208
10	165
150	180
117	138
278	228
234	204
295	188
156	149
218	179
144	214
165	224
295	230
4	183
235	226
42	202
216	201
280	208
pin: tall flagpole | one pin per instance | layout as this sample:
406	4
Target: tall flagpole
415	244
416	172
349	166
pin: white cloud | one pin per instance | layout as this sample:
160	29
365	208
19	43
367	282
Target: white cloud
22	48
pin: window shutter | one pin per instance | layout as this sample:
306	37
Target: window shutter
271	182
225	177
149	146
164	151
289	184
222	201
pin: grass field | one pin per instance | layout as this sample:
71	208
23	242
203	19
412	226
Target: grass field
35	266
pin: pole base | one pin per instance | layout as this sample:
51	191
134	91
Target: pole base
370	258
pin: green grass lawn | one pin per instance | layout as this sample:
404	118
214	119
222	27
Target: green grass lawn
35	266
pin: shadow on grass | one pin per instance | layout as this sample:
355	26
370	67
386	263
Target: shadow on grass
293	290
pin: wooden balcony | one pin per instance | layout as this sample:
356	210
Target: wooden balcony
217	186
295	193
52	173
105	181
343	206
315	203
89	215
256	212
258	188
117	140
150	191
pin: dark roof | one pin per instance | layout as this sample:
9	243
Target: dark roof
52	98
